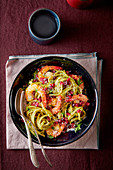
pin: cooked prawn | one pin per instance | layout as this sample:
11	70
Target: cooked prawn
52	102
34	87
76	77
56	109
55	130
80	97
45	69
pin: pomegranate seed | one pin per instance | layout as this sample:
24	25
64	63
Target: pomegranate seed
36	76
33	93
72	125
68	79
73	104
68	114
54	71
61	83
38	69
69	96
39	99
59	120
33	104
66	118
48	118
65	129
50	87
71	92
66	121
67	72
37	104
65	83
69	126
41	79
80	104
63	118
67	100
34	80
45	88
79	111
77	104
54	78
87	104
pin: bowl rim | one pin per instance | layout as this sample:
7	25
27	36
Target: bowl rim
58	25
84	131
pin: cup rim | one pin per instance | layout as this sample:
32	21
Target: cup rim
58	24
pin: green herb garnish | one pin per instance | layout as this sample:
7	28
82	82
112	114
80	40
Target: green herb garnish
79	81
51	137
53	127
77	128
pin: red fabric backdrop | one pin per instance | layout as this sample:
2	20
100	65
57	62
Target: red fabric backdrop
85	30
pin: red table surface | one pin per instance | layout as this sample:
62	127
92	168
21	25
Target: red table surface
87	30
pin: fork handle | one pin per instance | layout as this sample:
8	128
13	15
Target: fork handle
31	148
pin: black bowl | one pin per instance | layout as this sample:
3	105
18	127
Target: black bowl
27	73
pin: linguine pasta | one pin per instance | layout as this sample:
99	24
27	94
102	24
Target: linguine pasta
56	101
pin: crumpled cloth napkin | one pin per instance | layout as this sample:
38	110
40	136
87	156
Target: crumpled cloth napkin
14	139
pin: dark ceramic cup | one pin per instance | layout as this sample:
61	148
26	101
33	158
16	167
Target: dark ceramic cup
44	25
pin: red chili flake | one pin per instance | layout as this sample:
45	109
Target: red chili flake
68	114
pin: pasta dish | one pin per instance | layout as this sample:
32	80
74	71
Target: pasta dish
56	101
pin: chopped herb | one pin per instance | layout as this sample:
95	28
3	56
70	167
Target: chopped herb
50	91
79	82
53	127
28	109
36	90
77	128
63	113
51	137
35	135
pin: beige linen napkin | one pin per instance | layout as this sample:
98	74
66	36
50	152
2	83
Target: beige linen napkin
14	139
